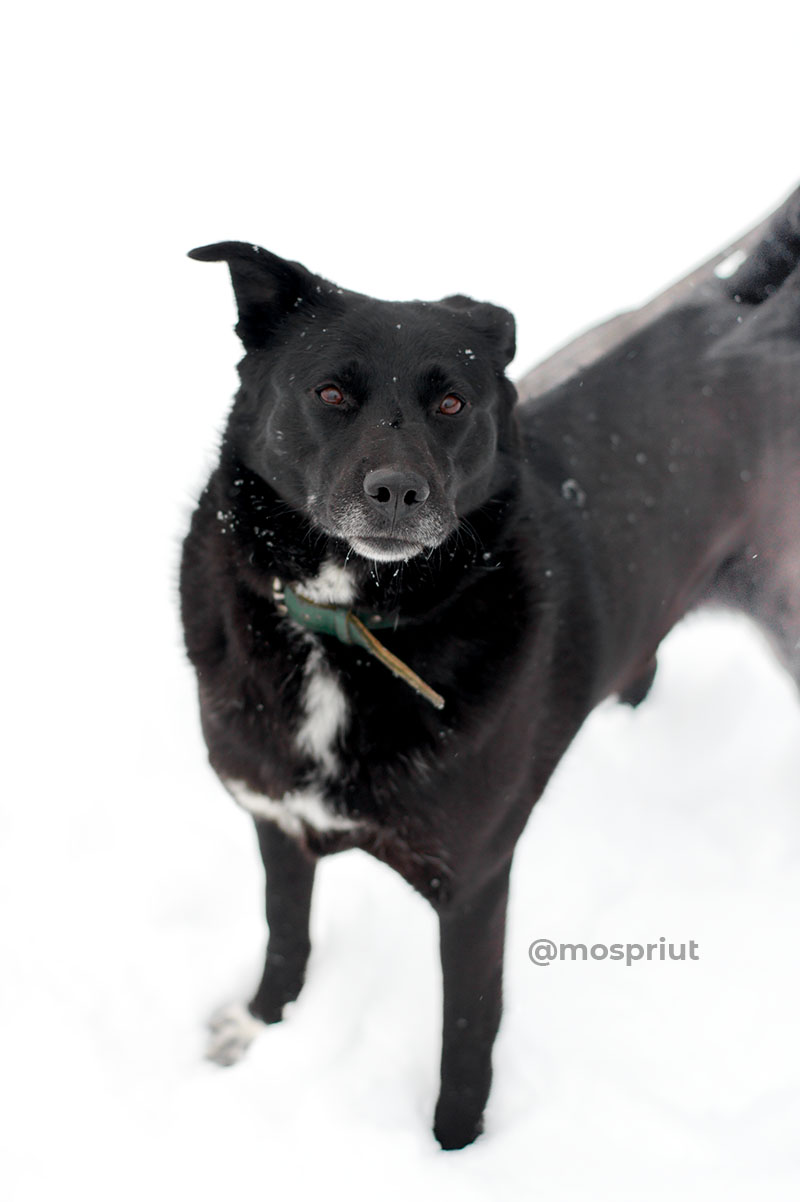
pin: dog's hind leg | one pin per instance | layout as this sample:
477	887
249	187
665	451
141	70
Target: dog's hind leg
777	611
290	880
764	580
778	614
472	936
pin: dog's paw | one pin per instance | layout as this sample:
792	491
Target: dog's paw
455	1127
231	1030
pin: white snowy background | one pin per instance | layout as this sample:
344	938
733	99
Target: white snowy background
566	161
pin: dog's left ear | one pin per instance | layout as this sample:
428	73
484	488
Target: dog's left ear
266	287
497	325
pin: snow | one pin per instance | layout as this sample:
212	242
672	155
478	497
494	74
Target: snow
138	906
130	886
730	264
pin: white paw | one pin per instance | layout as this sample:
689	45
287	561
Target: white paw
231	1031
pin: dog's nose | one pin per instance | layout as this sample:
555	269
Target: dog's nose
396	491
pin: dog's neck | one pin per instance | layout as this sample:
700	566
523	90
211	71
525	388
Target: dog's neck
351	627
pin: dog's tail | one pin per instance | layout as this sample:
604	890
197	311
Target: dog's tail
773	259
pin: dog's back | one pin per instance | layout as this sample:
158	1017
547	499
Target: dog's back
681	446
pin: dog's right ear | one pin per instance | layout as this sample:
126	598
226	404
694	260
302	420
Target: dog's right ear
497	325
266	287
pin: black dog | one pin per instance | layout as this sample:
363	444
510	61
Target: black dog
403	592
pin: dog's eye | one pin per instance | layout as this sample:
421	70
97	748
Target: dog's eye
451	405
331	395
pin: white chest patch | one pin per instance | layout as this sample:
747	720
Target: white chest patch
291	811
324	704
333	586
323	717
325	708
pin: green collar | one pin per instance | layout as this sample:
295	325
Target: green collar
353	627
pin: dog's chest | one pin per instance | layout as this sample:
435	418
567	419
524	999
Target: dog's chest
316	730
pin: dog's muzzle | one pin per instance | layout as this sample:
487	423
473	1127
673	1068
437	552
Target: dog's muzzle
392	516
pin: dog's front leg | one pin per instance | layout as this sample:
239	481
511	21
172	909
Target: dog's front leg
472	936
290	880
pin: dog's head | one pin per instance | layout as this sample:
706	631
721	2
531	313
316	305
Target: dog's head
385	423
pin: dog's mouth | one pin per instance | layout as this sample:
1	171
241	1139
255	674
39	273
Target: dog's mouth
371	539
385	549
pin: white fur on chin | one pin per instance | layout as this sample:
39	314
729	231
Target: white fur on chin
384	554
